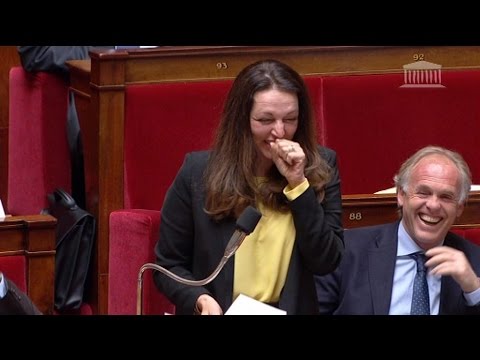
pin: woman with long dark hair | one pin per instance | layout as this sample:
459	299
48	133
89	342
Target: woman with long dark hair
265	154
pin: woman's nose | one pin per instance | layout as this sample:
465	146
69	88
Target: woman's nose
278	129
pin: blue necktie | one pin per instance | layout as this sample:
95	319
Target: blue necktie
420	298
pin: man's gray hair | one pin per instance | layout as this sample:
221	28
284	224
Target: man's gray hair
402	179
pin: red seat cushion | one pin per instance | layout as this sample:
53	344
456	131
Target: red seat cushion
133	234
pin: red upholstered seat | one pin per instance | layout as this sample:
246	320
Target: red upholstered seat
38	149
15	268
134	233
38	152
163	122
374	124
472	234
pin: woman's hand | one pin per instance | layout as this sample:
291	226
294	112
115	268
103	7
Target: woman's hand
290	160
207	305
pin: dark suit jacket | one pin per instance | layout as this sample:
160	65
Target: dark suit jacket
16	302
191	244
362	284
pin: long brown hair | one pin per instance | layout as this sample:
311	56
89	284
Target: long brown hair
230	182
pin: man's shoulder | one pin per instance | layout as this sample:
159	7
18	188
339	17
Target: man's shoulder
371	229
364	234
461	243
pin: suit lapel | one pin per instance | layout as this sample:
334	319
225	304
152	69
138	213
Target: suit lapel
451	296
381	266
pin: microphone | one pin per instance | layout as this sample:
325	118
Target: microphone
245	225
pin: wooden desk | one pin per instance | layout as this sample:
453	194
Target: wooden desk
10	58
33	237
370	209
100	85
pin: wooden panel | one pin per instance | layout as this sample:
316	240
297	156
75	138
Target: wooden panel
9	58
201	63
100	84
369	209
4	165
34	237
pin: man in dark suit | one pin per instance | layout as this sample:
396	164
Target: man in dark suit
376	274
13	301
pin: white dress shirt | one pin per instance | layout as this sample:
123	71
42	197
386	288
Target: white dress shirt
3	286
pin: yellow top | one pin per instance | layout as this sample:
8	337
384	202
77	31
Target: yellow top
261	262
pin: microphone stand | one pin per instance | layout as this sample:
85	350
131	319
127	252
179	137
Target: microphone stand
232	246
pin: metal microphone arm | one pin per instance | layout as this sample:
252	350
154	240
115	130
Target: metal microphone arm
232	246
245	224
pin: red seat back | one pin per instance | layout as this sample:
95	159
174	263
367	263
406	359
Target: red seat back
470	234
374	123
38	151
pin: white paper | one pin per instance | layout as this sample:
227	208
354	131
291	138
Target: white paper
393	190
2	212
122	47
245	305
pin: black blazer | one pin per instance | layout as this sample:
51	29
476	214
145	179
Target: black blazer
16	302
191	244
362	284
